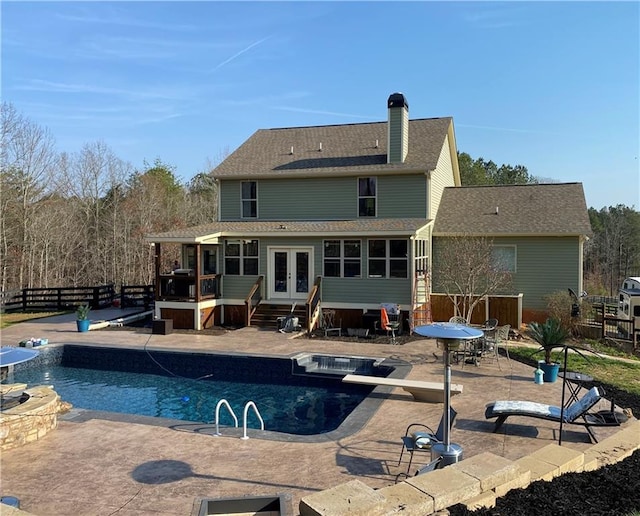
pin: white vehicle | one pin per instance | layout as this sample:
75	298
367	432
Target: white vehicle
629	303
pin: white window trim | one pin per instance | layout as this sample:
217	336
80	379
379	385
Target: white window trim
241	257
242	201
374	197
387	259
342	257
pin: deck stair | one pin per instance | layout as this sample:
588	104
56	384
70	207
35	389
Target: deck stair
266	315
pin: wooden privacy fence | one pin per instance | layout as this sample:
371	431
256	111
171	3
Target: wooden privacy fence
68	298
507	309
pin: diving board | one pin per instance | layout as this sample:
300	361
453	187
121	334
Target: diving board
429	392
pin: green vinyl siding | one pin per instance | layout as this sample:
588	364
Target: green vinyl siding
308	199
335	290
398	135
237	287
544	265
230	200
440	179
402	196
366	291
327	198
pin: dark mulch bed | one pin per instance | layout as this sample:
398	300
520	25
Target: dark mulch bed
610	490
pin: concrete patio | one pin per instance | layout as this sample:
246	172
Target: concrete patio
112	463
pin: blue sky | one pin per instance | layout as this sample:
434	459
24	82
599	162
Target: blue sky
549	85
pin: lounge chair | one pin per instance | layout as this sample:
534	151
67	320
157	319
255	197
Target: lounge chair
576	414
422	440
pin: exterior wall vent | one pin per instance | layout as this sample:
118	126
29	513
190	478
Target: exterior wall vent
398	128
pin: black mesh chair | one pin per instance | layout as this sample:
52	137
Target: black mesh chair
419	437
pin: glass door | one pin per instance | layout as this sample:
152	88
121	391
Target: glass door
290	273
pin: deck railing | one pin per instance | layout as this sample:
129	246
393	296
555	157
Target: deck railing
182	287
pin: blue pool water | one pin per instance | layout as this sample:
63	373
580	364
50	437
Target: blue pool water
299	409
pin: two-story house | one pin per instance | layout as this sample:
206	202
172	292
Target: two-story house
343	218
337	216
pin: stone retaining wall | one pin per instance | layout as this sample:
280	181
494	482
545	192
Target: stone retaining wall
30	420
475	482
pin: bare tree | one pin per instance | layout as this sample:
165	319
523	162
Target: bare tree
28	159
468	269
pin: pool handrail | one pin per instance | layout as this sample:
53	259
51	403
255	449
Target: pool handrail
225	403
250	404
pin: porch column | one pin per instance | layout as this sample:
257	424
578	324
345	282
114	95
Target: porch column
158	261
198	271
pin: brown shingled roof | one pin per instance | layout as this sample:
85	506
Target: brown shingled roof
346	149
209	232
538	209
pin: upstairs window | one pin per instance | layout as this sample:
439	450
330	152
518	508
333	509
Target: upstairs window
241	257
367	194
388	259
249	199
342	258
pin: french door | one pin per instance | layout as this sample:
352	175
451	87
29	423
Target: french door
290	272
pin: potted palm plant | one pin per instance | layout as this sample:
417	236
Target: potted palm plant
550	335
82	317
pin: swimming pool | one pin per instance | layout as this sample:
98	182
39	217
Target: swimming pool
188	386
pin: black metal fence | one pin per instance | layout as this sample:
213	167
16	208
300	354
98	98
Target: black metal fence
68	298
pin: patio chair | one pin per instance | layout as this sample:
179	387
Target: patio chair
390	319
462	345
421	440
576	414
496	340
328	323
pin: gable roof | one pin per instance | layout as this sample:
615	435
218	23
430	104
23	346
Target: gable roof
346	150
557	209
210	233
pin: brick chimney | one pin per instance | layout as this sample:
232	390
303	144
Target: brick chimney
398	128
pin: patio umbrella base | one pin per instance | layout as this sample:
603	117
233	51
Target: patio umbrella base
449	454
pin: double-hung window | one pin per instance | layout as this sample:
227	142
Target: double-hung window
503	258
388	258
241	257
367	196
342	258
249	199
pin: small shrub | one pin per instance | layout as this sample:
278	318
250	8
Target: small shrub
82	312
550	335
560	306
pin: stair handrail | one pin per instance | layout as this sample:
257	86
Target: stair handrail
253	300
313	304
220	404
248	405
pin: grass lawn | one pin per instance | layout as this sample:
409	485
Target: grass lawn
623	374
14	318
